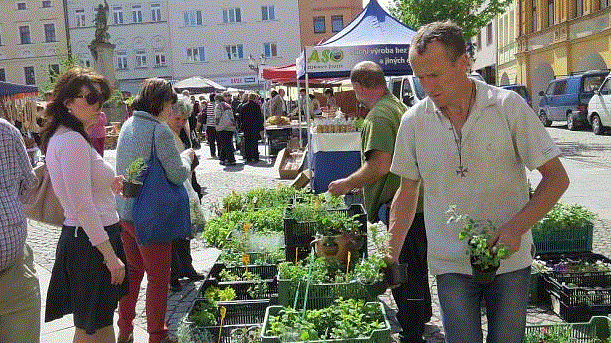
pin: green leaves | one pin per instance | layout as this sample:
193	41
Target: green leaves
565	217
135	168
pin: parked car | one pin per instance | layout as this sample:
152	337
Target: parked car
599	108
566	98
408	89
522	90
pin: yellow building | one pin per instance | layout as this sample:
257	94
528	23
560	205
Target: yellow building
559	37
319	20
32	36
507	65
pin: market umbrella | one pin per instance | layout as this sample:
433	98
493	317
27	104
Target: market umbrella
198	84
14	90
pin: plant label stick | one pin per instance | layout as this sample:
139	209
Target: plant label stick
223	312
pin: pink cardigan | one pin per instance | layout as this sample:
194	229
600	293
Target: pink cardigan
81	180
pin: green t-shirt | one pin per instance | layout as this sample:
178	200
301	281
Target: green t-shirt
379	133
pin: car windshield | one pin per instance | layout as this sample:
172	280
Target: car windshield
591	83
419	89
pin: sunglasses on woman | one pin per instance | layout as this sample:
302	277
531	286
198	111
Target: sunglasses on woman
91	98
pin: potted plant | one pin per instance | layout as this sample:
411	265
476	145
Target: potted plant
565	228
132	186
336	235
485	260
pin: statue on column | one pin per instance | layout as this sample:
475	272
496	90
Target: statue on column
101	23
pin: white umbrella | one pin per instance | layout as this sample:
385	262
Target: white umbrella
198	84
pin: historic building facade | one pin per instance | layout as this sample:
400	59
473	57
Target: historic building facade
319	20
32	40
559	37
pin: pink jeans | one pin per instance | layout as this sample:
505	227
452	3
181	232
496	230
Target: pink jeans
156	260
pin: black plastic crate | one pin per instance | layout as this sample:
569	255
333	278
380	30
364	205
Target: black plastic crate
241	288
228	333
237	312
582	279
299	235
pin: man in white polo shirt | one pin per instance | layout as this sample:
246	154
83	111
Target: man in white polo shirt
469	144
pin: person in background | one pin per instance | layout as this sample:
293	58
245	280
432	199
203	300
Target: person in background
315	106
19	286
193	123
302	102
211	124
331	101
88	276
182	262
252	122
226	126
277	106
469	143
379	132
154	100
97	133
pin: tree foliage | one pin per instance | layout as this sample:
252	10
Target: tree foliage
471	15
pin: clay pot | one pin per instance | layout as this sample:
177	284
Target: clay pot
131	189
336	248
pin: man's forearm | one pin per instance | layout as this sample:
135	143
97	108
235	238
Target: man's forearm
364	176
553	183
401	215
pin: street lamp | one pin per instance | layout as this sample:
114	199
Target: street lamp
254	64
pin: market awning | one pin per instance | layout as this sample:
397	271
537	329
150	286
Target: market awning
15	91
198	84
287	75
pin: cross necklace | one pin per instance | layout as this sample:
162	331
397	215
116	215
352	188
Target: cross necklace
462	170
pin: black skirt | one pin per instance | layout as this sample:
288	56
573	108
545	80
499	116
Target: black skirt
80	282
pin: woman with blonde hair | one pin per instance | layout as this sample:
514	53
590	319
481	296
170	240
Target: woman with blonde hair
88	276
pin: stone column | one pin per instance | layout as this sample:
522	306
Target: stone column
103	55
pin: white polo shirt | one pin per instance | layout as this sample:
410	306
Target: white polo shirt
487	180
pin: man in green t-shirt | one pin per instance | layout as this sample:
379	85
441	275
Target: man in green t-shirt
379	187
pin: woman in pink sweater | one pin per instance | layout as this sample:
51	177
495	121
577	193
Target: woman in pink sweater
88	276
97	133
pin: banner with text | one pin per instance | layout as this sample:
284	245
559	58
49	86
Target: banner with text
331	61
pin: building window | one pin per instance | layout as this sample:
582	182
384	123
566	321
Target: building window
80	17
50	33
122	60
319	25
534	15
46	3
268	13
234	52
604	4
2	75
30	78
24	34
159	59
550	13
489	34
140	59
21	6
337	23
117	14
155	12
193	18
196	54
53	69
232	15
270	49
136	13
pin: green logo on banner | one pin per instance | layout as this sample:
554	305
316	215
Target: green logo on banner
335	55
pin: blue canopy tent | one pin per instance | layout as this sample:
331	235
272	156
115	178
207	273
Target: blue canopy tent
14	90
374	35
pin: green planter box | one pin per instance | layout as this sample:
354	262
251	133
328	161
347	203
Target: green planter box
596	328
378	336
319	295
559	241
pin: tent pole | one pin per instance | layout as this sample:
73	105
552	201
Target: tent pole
309	119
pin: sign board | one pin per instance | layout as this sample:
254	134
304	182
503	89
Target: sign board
337	61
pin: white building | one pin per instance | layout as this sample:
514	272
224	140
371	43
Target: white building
485	52
215	38
138	28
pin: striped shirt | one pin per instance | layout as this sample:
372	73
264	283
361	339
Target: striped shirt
210	118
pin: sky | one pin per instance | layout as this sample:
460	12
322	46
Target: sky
384	3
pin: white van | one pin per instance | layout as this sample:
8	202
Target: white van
599	108
408	89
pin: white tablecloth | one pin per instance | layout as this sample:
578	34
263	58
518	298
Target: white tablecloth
345	141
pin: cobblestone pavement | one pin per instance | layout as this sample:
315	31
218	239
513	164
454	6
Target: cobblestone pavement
219	181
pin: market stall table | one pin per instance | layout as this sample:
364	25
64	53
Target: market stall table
276	137
335	156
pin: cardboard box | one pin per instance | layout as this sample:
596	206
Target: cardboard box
289	162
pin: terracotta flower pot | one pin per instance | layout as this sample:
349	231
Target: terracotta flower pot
131	189
336	248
